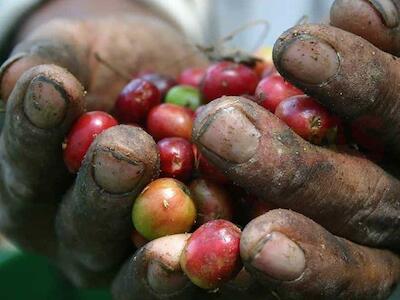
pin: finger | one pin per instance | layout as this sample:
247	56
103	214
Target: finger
375	20
60	42
348	195
154	272
345	73
126	46
94	220
42	107
301	260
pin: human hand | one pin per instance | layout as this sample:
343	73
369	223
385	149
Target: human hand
282	250
51	78
355	201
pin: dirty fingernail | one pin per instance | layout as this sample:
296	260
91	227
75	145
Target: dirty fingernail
279	257
45	103
115	173
308	60
164	281
388	12
230	134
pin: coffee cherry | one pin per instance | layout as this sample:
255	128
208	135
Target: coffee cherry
82	134
307	118
136	100
212	201
211	256
170	120
192	76
228	79
272	90
163	208
184	95
176	158
163	82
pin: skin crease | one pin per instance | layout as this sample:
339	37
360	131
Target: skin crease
67	44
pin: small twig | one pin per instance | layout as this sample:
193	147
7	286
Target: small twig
262	37
303	20
112	68
230	36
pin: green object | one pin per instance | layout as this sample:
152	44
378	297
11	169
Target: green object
184	95
29	277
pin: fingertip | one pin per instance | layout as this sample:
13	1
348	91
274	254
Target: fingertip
164	273
122	159
47	99
306	59
154	272
12	69
224	129
295	256
374	20
115	173
278	257
45	103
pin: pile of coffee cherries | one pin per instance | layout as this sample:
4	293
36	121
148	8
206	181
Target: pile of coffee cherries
191	194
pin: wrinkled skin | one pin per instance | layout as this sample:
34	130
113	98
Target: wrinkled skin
83	226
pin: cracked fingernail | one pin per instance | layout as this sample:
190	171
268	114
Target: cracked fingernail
308	60
230	134
388	12
279	257
115	174
45	103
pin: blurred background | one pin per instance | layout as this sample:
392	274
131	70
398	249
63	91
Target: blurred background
220	17
206	21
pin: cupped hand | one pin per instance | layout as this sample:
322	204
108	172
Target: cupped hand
51	78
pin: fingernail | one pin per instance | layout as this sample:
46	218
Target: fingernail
231	135
114	173
9	62
309	60
279	257
164	281
45	103
4	67
388	12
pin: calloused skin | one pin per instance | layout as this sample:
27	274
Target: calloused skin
53	76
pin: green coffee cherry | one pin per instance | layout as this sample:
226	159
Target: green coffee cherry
184	95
